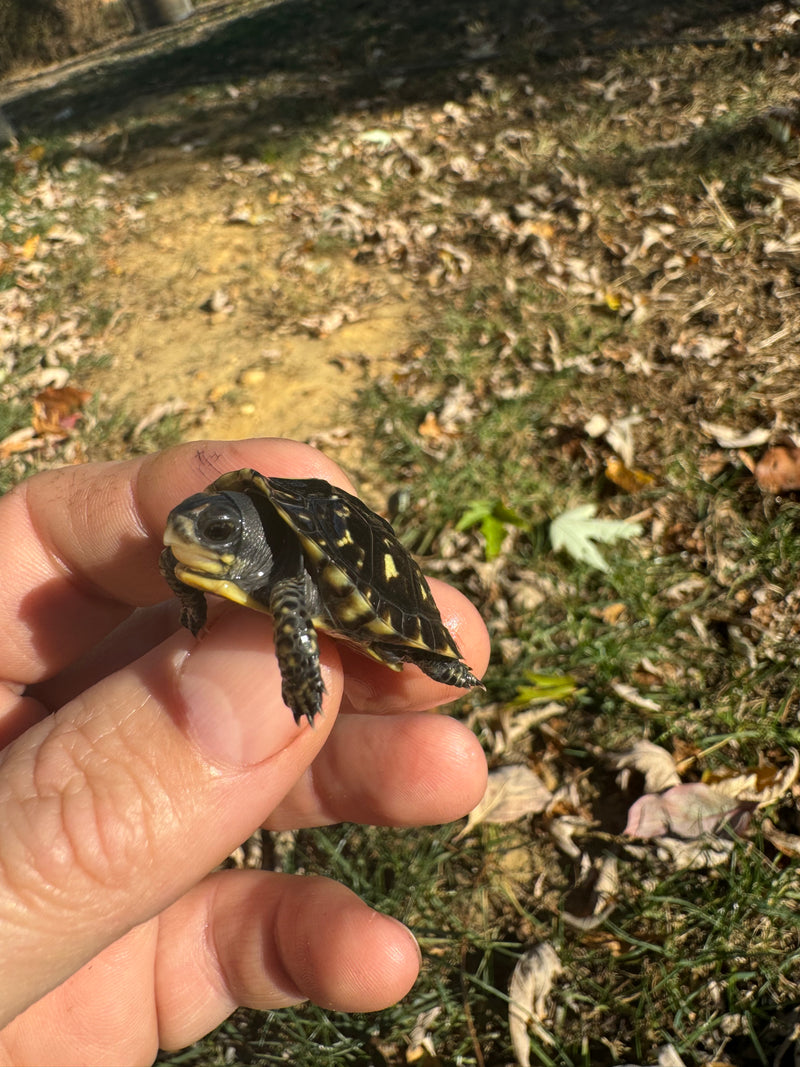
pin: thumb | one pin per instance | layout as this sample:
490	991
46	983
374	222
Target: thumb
192	744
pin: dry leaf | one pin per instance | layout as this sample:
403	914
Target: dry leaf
219	303
433	431
528	989
326	324
629	479
788	844
619	436
632	696
562	831
687	810
612	613
24	440
511	793
42	377
56	411
596	426
420	1042
653	762
29	249
778	470
66	234
597	893
730	437
157	413
695	855
667	1057
761	786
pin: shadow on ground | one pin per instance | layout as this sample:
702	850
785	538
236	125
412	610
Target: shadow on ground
318	59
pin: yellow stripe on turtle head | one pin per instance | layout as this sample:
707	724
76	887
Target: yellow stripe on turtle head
194	559
207	583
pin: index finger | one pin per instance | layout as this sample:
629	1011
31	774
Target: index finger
81	544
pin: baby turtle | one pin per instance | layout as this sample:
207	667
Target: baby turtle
315	558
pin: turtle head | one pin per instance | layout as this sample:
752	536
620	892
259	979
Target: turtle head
219	545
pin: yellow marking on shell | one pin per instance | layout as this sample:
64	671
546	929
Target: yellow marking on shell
336	579
390	567
311	549
378	627
345	539
236	481
417	642
354	610
355	613
219	587
365	650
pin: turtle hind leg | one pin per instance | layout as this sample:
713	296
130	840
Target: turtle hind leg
296	648
445	669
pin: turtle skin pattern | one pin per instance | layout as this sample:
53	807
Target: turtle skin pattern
316	558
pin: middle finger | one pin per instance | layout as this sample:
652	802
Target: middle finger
399	770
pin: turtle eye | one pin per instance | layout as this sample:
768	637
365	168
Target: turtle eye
217	526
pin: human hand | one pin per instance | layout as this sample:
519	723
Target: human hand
133	759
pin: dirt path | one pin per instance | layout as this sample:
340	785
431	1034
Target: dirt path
206	319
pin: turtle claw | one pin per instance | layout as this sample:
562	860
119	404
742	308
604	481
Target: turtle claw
303	702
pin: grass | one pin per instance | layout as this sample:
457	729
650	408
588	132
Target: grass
549	176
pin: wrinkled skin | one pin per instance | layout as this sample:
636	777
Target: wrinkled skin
134	757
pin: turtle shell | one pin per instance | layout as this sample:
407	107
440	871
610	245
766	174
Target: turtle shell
372	592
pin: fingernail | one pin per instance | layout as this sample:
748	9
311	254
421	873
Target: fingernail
410	934
229	687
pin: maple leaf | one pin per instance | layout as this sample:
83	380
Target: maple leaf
493	516
577	530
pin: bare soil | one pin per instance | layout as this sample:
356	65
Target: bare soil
191	327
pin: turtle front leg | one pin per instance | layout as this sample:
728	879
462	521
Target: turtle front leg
296	648
193	602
